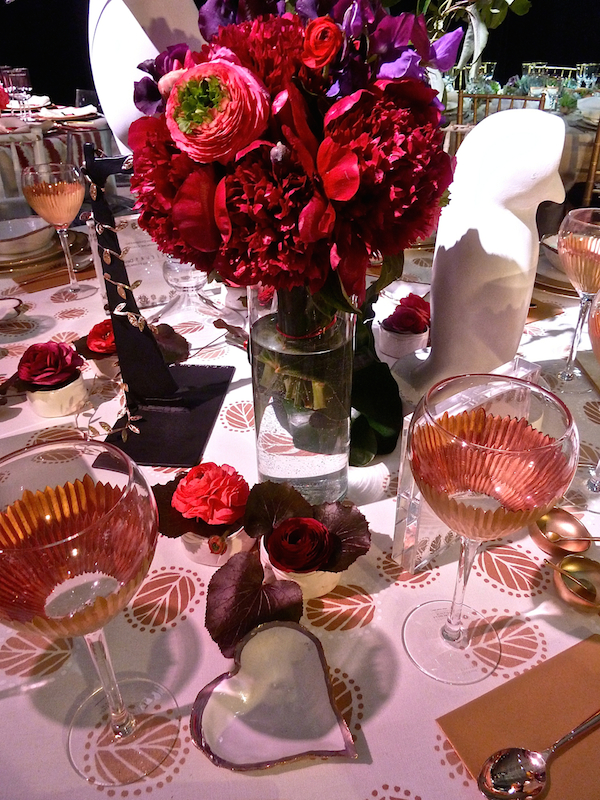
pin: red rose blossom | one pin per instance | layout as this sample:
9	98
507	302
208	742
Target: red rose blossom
49	364
322	42
101	338
412	315
215	109
212	493
300	544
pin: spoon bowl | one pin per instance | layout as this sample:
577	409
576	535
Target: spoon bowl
559	533
577	581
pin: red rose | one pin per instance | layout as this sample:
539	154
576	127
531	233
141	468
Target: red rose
49	364
215	109
412	315
322	42
101	338
300	544
211	493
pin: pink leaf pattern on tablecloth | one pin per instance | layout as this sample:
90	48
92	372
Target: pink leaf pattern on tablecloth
33	655
55	434
344	608
592	411
588	455
348	699
388	568
163	599
281	444
151	744
450	759
16	350
63	295
238	416
19	326
213	353
512	571
65	336
71	313
389	791
189	328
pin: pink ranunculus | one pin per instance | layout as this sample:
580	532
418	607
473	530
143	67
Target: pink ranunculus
215	494
49	364
215	109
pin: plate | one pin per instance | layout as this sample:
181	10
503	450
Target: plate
68	112
46	259
34	103
551	280
275	706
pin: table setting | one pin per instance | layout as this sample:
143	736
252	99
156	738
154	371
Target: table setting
205	475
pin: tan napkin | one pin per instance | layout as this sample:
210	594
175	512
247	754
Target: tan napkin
534	710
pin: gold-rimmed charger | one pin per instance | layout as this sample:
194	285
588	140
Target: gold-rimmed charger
45	259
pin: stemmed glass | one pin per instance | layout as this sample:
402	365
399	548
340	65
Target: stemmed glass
489	454
55	192
78	529
20	89
188	302
579	251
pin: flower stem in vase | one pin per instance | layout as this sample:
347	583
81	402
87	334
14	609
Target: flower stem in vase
302	377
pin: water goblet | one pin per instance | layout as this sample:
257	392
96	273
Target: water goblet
55	192
579	252
78	529
490	454
189	302
20	89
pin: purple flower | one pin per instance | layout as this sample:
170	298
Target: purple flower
146	96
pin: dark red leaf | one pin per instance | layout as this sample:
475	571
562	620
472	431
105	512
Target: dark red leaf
269	504
345	521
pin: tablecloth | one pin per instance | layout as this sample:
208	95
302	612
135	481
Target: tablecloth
389	706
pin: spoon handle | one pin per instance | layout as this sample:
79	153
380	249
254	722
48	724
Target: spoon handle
584	727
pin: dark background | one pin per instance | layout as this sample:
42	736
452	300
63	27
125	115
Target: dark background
50	37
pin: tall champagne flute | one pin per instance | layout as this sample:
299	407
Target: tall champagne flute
579	251
490	454
78	529
55	192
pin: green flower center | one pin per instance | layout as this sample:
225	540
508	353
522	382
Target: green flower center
198	101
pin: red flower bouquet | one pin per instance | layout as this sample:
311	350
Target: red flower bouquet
292	149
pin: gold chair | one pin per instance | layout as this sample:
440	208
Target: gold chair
481	106
592	184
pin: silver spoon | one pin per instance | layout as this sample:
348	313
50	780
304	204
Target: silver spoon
515	773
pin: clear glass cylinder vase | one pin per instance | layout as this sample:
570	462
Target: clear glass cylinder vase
301	379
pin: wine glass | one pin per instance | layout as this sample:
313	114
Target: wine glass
579	252
55	192
189	301
78	529
20	89
490	454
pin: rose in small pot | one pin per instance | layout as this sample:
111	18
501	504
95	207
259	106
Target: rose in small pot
205	507
50	373
407	328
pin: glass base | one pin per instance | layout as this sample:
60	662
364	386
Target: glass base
450	662
104	760
581	494
573	382
81	290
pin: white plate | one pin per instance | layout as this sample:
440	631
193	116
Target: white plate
68	112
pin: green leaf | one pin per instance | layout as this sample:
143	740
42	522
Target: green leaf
363	442
392	268
520	7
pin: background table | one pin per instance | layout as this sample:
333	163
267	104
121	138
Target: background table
390	707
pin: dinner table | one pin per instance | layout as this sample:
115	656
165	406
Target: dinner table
415	738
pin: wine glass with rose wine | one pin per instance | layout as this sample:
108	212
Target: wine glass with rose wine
55	192
490	454
579	251
78	529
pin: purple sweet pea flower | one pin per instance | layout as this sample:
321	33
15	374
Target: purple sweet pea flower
445	50
146	96
407	65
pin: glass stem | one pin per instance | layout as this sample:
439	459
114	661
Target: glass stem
64	240
593	483
567	373
452	630
122	721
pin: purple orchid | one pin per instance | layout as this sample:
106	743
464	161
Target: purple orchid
146	96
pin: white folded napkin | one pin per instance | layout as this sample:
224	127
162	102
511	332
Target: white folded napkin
34	101
68	112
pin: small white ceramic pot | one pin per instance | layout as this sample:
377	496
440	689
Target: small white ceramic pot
59	402
209	550
397	345
108	367
313	584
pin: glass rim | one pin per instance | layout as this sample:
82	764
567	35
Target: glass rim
580	214
52	167
496	378
21	546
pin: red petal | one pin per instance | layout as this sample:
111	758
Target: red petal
316	219
221	214
193	211
338	168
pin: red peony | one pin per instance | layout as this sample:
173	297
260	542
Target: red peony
323	41
212	493
300	544
215	109
49	364
101	338
4	98
412	315
394	131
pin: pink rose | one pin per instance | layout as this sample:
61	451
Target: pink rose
49	364
211	493
215	109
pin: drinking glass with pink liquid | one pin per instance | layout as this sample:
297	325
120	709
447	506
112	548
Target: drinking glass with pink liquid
579	251
490	455
55	192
